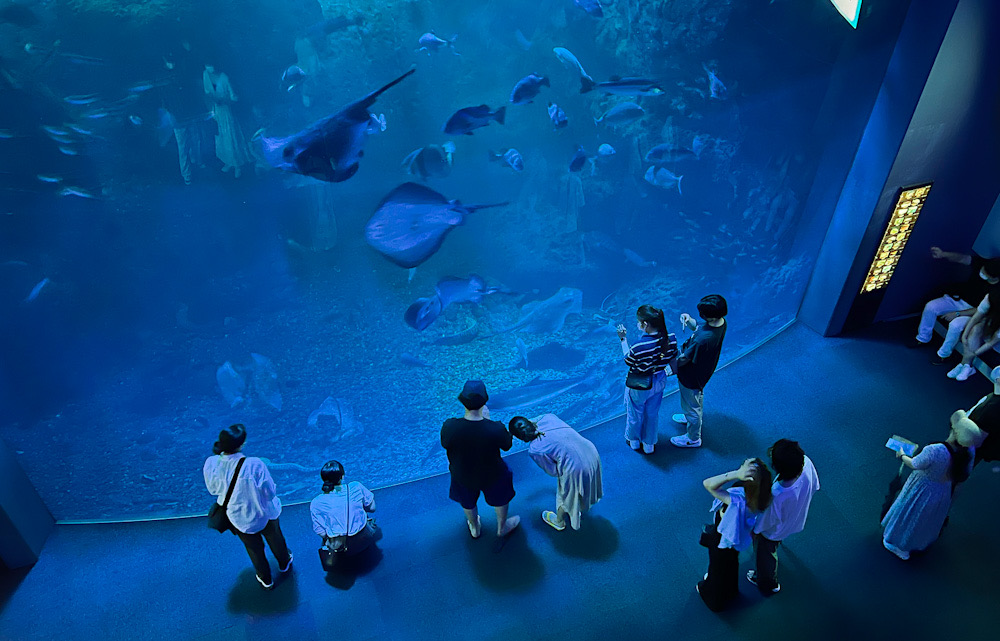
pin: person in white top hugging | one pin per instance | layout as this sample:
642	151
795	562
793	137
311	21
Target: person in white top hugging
254	506
794	485
343	509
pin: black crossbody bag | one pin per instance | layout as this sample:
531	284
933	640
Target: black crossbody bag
335	545
217	517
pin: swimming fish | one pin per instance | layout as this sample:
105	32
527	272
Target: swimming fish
135	120
421	314
592	7
606	150
664	178
539	391
716	88
81	99
431	43
511	157
464	121
449	290
36	290
665	153
292	77
557	115
330	149
76	191
377	124
571	62
527	88
636	259
412	221
231	383
628	87
432	160
47	178
549	315
67	151
621	114
408	359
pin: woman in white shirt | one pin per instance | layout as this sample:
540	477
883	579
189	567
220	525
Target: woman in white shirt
981	334
343	509
254	506
736	510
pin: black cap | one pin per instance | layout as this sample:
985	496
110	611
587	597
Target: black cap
474	395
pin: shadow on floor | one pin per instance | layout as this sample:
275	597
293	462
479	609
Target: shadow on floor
505	565
350	568
248	597
9	582
596	540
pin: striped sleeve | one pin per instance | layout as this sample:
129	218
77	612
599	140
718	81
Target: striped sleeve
652	353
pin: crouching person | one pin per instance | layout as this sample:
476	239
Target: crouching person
341	514
563	453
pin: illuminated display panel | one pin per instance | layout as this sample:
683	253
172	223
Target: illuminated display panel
850	9
904	217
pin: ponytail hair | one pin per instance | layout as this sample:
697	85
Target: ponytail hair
652	316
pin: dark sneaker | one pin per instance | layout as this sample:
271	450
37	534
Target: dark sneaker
914	343
288	566
752	578
937	360
267	586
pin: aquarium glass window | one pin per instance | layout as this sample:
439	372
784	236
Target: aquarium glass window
255	212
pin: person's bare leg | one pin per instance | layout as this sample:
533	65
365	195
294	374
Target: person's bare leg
472	516
505	524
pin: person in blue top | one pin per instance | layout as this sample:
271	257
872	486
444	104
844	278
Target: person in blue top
655	350
697	362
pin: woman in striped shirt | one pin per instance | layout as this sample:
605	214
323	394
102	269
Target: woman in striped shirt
652	353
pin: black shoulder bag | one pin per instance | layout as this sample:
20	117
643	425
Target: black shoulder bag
337	544
217	517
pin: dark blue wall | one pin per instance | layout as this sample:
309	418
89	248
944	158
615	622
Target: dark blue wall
854	230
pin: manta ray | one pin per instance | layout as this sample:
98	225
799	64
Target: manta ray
329	149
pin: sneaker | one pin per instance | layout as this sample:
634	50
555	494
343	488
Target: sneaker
509	525
288	566
956	371
913	343
684	441
752	578
903	554
647	449
550	517
267	586
966	373
635	445
477	529
940	360
680	418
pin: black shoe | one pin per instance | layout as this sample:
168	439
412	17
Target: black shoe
937	360
914	343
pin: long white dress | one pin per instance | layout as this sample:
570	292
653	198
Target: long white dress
574	460
230	143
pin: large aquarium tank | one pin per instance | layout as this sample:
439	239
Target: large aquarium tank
220	211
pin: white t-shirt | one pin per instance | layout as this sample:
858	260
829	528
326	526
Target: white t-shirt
255	500
789	505
330	510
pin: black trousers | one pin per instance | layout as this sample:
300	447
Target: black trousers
722	584
255	548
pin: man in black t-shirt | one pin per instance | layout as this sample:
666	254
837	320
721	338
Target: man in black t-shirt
697	362
473	444
957	306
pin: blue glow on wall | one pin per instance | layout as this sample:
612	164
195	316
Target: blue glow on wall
850	9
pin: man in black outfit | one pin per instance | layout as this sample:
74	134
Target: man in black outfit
473	443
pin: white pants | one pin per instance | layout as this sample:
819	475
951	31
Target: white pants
936	308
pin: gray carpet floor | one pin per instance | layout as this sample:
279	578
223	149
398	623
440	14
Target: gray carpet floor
629	573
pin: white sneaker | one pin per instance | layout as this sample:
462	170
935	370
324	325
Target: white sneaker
680	418
966	373
684	441
635	445
647	449
955	371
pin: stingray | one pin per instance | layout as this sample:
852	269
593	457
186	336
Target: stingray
329	149
421	314
412	221
467	335
549	315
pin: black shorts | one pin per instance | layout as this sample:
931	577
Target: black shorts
500	492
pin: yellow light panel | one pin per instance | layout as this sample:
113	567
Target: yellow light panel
904	217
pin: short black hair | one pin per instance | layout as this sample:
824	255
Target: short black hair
713	306
231	439
522	428
787	458
332	474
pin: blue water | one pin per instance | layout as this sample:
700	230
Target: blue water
109	382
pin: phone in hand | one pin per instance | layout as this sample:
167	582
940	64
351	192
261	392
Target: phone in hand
898	443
